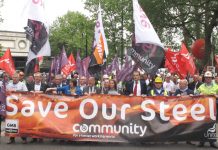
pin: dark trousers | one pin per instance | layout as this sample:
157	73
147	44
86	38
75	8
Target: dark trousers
13	138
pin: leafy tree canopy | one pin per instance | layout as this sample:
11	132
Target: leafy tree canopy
74	31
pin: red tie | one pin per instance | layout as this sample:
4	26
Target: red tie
135	88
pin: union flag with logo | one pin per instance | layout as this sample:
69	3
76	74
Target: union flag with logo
100	48
7	63
71	66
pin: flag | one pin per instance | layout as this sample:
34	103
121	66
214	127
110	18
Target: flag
37	30
100	48
78	63
147	49
32	67
71	66
63	60
114	66
188	60
85	66
51	71
126	70
170	67
7	63
57	65
175	60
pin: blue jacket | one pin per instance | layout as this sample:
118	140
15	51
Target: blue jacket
66	90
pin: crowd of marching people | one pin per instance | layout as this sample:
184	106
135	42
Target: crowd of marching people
163	84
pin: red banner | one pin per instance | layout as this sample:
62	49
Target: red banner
107	118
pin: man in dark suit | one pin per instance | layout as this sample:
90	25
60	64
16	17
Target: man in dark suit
136	87
195	84
91	88
37	86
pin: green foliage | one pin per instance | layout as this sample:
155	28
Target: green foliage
174	21
72	30
117	20
190	19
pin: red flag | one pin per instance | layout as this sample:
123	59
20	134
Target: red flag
188	60
71	66
170	67
7	63
175	60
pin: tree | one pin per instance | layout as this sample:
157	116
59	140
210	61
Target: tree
117	23
74	31
192	19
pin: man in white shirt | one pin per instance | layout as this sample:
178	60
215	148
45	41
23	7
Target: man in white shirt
16	85
168	84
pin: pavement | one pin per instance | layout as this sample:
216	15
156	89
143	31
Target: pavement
58	145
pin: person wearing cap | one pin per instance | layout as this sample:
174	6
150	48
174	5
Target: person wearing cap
207	88
158	90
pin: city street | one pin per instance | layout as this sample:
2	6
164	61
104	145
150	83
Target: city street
49	145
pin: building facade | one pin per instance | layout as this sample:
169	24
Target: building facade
18	45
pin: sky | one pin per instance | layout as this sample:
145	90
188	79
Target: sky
12	12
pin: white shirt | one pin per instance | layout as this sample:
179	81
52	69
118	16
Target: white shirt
169	86
37	87
20	86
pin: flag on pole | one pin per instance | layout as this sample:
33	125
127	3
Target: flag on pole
7	63
85	66
177	63
32	67
63	60
100	48
78	63
170	67
71	66
147	48
37	30
114	66
188	60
